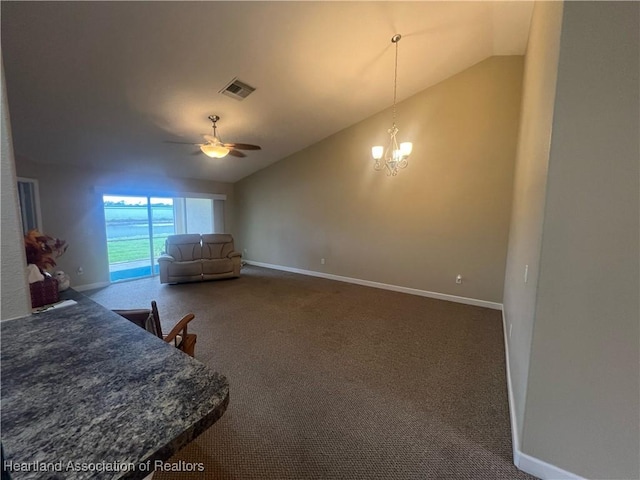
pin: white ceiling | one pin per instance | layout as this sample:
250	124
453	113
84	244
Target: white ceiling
106	84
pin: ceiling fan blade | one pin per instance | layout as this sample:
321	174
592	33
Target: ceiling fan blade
181	143
236	153
242	146
196	152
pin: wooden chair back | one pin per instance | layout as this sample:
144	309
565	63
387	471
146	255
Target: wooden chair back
149	319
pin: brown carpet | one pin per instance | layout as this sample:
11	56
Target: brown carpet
331	380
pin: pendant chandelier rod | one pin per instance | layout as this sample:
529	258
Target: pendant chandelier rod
395	39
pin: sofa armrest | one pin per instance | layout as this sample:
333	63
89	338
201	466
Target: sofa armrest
166	258
236	261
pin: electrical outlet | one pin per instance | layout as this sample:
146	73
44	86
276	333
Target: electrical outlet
526	273
322	261
80	271
510	329
459	279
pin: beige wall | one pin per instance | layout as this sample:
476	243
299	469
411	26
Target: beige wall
15	301
446	214
525	236
71	202
582	405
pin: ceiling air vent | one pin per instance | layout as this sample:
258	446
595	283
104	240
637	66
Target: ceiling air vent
237	89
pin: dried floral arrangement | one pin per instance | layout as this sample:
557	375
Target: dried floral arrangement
42	250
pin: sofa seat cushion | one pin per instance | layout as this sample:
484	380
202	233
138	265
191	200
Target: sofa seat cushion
223	265
185	269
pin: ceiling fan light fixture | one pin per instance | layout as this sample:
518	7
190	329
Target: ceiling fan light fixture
214	151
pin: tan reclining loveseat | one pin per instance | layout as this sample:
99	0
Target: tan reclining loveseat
193	257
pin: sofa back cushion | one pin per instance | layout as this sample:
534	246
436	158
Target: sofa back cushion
216	245
184	248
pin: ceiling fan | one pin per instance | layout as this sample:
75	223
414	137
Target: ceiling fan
215	148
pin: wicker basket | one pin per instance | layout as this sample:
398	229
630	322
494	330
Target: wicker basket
44	293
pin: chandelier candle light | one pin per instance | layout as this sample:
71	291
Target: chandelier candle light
393	158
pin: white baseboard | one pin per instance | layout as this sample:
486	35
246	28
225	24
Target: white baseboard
541	469
384	286
90	286
515	440
527	463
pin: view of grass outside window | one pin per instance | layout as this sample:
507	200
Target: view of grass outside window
136	231
137	227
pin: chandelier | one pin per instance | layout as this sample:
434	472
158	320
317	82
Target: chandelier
393	158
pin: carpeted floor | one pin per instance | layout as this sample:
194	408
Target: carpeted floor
331	380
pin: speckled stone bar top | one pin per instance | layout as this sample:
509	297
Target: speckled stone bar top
87	394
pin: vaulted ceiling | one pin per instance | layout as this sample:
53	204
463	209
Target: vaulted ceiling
107	84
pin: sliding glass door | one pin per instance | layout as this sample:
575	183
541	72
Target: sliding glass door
137	227
162	225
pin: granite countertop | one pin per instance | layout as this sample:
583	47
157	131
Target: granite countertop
88	394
